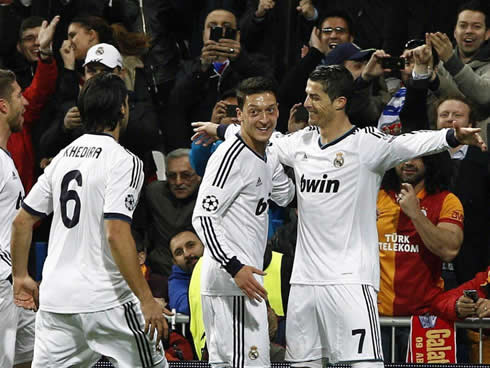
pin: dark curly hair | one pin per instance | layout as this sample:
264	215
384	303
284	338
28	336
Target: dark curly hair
436	177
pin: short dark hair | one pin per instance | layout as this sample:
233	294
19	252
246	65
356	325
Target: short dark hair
227	94
474	116
477	6
28	23
178	231
100	102
337	13
99	25
7	78
252	86
336	80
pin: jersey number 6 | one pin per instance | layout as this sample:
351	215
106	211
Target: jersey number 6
261	207
70	195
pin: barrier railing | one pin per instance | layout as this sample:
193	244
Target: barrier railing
476	323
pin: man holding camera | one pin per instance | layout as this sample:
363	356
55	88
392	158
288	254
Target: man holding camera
223	63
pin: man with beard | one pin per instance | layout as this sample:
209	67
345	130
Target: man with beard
420	225
17	325
186	249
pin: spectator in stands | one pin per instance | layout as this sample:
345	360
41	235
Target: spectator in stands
223	113
42	87
263	25
186	249
333	29
168	206
142	134
220	67
467	67
420	224
23	62
470	181
453	305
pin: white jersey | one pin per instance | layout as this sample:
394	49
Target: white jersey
231	215
11	194
337	187
91	180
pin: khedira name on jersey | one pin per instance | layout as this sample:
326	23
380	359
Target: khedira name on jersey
82	152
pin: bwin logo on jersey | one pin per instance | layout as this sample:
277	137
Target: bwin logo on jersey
319	185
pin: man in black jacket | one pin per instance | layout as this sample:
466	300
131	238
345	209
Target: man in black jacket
223	63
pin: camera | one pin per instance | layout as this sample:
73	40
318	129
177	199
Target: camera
220	32
472	294
393	63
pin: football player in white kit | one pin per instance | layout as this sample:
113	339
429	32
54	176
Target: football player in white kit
93	299
16	324
231	219
332	310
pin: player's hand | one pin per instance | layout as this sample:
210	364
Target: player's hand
246	281
72	119
483	308
374	68
26	293
465	307
469	136
155	319
205	133
408	201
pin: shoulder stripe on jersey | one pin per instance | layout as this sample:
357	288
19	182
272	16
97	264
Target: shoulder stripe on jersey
227	163
238	331
374	131
373	322
211	239
5	256
141	340
136	171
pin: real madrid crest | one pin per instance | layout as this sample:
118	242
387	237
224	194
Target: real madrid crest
253	353
99	51
339	159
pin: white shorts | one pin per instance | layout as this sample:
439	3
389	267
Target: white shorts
337	322
68	340
237	331
16	329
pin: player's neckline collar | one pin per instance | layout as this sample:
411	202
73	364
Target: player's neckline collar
335	141
255	153
102	133
7	152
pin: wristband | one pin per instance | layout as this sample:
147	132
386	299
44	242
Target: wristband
451	139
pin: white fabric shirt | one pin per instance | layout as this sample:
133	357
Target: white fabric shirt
231	216
11	194
337	187
91	180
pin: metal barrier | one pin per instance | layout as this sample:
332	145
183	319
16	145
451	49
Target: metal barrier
476	323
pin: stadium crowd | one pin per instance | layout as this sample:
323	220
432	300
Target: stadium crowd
413	68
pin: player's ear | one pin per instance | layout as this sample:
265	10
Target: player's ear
3	106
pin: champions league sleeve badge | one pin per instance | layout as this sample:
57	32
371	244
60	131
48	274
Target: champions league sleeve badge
210	203
339	160
130	202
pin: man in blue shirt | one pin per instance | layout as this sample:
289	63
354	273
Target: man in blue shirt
186	249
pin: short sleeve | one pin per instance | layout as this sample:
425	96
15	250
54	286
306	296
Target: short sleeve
452	211
39	201
124	182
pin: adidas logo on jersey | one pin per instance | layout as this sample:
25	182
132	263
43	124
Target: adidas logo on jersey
259	182
319	185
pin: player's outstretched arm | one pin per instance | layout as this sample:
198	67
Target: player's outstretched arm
26	293
246	281
205	133
470	136
123	250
